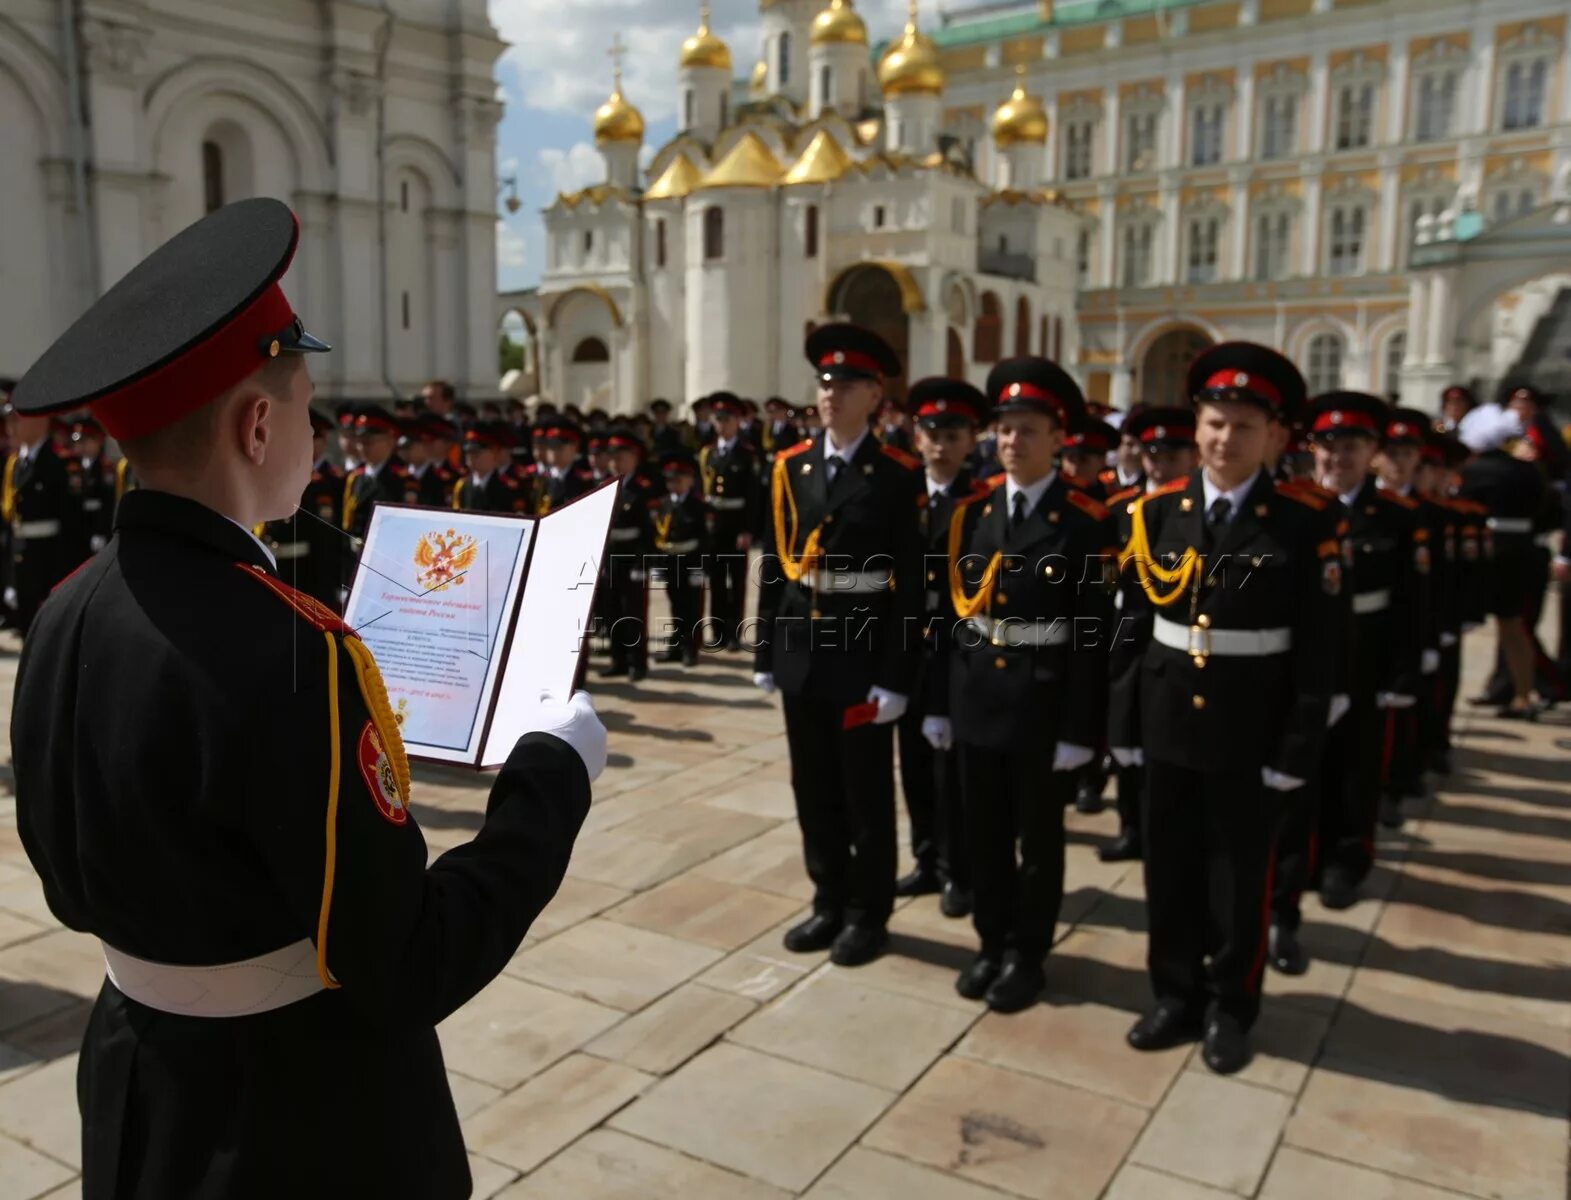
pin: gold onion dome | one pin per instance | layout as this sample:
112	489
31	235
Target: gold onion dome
1020	119
911	66
704	49
838	24
616	120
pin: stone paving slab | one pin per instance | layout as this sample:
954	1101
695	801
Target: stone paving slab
652	1040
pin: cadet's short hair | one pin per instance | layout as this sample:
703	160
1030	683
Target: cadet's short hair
190	440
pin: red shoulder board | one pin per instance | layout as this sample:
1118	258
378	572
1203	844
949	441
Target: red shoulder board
980	488
1076	481
1397	498
1168	489
1108	476
1129	493
310	610
655	501
796	449
994	482
1305	497
909	461
1092	508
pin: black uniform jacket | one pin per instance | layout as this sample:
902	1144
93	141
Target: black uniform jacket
391	484
191	737
1276	565
1389	551
549	492
1131	636
847	641
737	486
500	493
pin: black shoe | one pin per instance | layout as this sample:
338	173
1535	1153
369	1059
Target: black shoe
1490	699
690	657
816	933
1018	985
1337	889
1440	763
1088	796
979	976
1286	951
672	654
858	945
1390	812
614	671
1164	1027
955	901
1226	1050
923	881
1526	711
1124	848
637	674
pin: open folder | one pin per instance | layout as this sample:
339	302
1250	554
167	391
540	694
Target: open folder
472	616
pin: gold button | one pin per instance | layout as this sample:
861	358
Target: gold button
932	576
830	519
1199	702
1000	662
1200	662
1001	599
817	616
1203	621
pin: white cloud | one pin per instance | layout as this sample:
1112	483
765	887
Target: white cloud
573	169
512	251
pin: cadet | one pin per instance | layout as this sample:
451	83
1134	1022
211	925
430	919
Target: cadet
679	520
41	501
1166	437
733	483
664	437
1031	572
1387	557
1085	452
630	542
429	473
781	431
268	1025
308	544
1234	693
947	413
381	476
839	611
560	476
98	481
489	485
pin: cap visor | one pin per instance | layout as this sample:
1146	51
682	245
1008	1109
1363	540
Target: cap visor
305	344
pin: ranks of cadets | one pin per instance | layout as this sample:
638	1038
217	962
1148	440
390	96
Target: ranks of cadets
489	484
187	726
1460	590
41	502
1085	452
664	437
308	545
624	579
839	607
679	525
947	413
780	431
559	475
98	480
1032	568
732	475
381	475
1388	558
1166	441
424	444
1234	693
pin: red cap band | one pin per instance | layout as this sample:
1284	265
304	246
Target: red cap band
620	441
1087	441
942	408
1232	380
1398	430
561	433
375	423
1155	433
1029	391
1344	418
1429	452
850	358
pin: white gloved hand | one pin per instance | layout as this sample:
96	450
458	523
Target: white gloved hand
11	598
1069	757
1429	662
97	542
891	705
1279	782
1128	756
1340	703
1469	626
577	724
940	734
764	682
1394	700
1448	640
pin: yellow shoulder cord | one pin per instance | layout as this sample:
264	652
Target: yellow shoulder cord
794	566
349	501
968	606
122	469
335	764
1149	571
663	529
705	473
374	693
458	494
8	496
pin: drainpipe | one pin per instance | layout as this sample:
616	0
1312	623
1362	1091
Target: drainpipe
71	53
384	42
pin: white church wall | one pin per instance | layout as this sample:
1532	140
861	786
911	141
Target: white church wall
731	296
664	320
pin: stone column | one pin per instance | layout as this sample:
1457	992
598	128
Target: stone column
1102	276
1244	115
1237	266
1318	101
1309	263
1110	130
1391	234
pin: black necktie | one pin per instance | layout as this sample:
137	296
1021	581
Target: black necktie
1018	517
835	464
1216	518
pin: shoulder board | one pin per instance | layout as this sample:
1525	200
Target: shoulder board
655	501
1108	476
1129	493
981	492
309	609
1092	508
583	473
909	461
979	488
1401	501
796	449
994	482
1307	498
1168	489
1076	481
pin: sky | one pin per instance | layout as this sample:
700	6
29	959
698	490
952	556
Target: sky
557	71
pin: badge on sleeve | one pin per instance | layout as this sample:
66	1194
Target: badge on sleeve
1331	576
376	768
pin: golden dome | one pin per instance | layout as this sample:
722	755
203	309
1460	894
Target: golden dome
704	49
618	121
1020	119
911	67
838	24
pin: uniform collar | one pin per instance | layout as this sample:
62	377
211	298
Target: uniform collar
848	452
1033	494
143	508
1235	497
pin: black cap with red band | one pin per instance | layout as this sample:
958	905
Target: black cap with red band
624	437
1035	385
558	431
201	313
1407	427
1244	372
726	402
1162	428
1347	414
482	434
844	351
939	403
373	418
1092	435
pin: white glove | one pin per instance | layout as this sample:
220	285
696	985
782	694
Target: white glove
1448	640
1128	756
1069	757
11	598
1279	782
1340	703
1394	700
1469	626
891	705
940	734
1429	662
577	724
97	542
764	682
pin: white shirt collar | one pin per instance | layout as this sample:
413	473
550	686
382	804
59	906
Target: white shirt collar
723	445
252	535
1127	480
1236	497
1033	494
848	453
374	471
934	488
481	480
556	472
419	472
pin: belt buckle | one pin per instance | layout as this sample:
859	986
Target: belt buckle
1199	642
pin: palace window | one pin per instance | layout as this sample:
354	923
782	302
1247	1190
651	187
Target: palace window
1083	258
1345	241
714	234
1273	245
826	81
1077	149
988	340
212	176
878	216
660	243
688	117
589	243
1526	85
1206	124
1436	105
1205	236
784	62
1325	363
1140	141
1512	202
1022	326
1279	127
1355	115
1396	355
1139	238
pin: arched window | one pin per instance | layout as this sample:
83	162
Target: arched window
1022	326
714	233
687	108
725	110
989	338
810	232
660	243
784	64
1325	363
591	350
1396	355
212	176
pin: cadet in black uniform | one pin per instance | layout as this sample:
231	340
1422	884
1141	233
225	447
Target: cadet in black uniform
1234	695
41	502
732	474
268	1028
309	544
679	520
423	444
489	485
664	437
1032	567
839	610
1166	437
947	413
560	475
381	476
98	481
781	431
1086	448
625	575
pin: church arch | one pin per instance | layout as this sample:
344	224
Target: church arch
874	296
988	342
1162	378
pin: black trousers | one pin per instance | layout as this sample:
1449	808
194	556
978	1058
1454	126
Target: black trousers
1297	852
1437	726
1131	782
626	610
1210	844
1350	789
1014	809
844	785
930	780
684	585
727	585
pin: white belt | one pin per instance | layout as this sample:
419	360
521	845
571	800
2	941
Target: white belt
1229	643
1547	540
238	989
625	535
36	529
849	583
679	547
291	549
727	504
92	505
1014	632
1365	603
1510	524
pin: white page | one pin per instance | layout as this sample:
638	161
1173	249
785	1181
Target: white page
553	616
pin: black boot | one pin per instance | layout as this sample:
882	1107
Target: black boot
1125	847
1286	951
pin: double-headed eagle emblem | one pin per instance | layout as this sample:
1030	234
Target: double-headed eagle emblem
442	559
